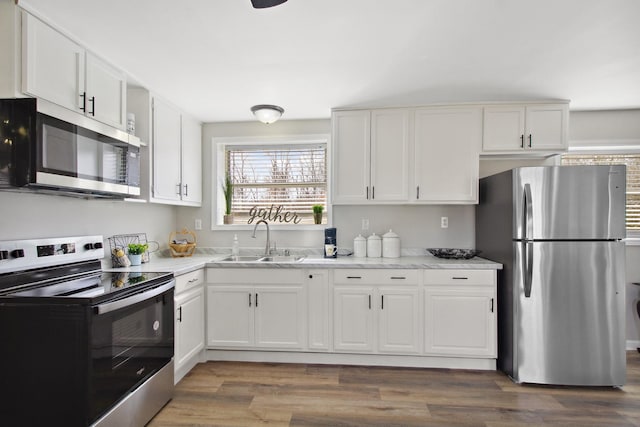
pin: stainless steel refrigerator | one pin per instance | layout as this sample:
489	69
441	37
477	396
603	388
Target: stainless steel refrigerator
558	233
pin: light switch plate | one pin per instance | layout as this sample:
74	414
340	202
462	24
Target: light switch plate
444	222
198	224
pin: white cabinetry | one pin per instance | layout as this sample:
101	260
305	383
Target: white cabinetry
525	128
460	313
319	309
61	71
258	308
172	173
377	311
446	154
371	155
189	318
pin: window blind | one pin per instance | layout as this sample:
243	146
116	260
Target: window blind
294	176
632	161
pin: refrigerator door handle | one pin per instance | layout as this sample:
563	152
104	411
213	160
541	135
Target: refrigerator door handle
528	213
528	268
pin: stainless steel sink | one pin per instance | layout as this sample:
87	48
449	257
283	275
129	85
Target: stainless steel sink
262	258
236	258
282	258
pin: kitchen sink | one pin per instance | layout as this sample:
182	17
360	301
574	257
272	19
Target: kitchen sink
262	258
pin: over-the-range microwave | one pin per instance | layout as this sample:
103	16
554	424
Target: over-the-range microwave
48	148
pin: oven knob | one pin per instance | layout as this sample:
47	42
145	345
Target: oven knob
4	254
97	245
90	246
17	253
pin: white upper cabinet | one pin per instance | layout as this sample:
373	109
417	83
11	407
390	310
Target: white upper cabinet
371	155
177	156
351	156
531	128
389	155
106	92
61	71
167	132
446	155
191	161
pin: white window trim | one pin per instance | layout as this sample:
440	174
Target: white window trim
217	177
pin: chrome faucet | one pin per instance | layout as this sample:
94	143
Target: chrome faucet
267	248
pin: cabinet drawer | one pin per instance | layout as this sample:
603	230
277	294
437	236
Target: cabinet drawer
254	275
189	280
375	277
459	277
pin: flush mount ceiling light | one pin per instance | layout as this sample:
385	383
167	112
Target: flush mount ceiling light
267	113
262	4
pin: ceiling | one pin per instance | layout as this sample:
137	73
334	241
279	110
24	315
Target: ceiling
217	58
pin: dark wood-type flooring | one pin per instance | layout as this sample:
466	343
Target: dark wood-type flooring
256	394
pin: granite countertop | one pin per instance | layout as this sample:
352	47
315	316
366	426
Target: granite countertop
187	264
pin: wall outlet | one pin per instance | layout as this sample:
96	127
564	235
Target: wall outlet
365	224
198	224
444	222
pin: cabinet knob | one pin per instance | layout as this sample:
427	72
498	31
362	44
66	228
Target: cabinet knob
311	276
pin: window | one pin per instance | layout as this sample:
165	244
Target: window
277	181
632	161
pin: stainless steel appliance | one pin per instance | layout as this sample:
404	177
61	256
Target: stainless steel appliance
48	148
557	231
80	346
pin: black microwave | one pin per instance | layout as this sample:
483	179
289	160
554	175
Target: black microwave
45	147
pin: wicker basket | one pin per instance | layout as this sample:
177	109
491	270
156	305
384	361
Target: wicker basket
182	249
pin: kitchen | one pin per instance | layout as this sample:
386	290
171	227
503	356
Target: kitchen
32	215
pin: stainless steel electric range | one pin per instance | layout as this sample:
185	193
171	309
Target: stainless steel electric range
79	346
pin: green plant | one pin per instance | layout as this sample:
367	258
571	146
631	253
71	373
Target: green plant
137	248
227	189
317	209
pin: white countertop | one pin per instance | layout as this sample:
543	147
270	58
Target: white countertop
184	265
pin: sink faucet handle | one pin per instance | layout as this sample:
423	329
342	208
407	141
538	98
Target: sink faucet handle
287	252
273	249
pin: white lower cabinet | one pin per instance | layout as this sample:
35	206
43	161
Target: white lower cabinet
318	309
189	321
460	313
256	308
377	311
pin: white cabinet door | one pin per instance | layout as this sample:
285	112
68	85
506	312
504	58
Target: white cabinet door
446	154
230	316
53	65
191	161
189	331
503	128
547	127
167	136
318	309
280	314
353	319
389	155
351	156
399	320
460	321
525	128
106	92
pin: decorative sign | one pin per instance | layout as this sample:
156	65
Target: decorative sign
273	214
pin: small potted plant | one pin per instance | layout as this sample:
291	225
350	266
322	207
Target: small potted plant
135	251
227	190
317	213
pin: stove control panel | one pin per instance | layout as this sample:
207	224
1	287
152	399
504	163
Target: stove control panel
16	255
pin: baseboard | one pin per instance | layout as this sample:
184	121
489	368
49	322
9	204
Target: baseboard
633	344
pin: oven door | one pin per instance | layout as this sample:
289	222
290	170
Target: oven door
131	339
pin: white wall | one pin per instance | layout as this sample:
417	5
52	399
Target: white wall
30	216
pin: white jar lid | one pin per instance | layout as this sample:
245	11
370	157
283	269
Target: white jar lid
374	237
390	235
359	238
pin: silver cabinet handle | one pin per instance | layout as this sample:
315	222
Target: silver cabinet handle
186	189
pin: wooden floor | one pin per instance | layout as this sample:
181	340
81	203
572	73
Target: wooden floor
256	394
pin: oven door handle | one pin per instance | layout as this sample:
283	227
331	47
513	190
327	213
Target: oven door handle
125	302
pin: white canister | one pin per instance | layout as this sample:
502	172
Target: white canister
374	246
390	245
359	247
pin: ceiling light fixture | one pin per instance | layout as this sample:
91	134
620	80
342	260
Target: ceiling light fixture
262	4
267	113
